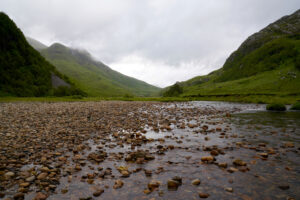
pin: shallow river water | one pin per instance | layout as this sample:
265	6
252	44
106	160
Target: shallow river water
266	142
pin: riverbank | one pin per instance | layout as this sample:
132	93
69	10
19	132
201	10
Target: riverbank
260	99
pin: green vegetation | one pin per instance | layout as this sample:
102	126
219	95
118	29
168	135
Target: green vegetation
81	98
238	98
173	91
23	71
296	106
93	77
268	57
62	91
276	107
264	69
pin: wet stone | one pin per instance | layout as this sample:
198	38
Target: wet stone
153	185
232	169
9	174
239	162
40	196
42	176
98	192
196	182
284	187
229	189
118	184
19	196
222	165
174	183
30	179
203	195
26	184
207	159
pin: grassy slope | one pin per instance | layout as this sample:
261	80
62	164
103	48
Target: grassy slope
265	68
93	77
283	80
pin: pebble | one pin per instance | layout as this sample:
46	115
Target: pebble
42	176
118	184
284	187
40	196
203	195
153	185
30	179
173	185
207	159
19	196
9	174
239	162
232	169
196	182
222	165
98	192
26	184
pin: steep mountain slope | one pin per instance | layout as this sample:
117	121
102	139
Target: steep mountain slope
268	62
23	71
36	44
94	77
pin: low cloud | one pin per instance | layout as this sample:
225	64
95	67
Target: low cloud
159	41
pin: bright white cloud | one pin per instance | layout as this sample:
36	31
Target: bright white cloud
158	41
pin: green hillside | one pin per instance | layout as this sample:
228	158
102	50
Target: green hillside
94	77
23	71
267	63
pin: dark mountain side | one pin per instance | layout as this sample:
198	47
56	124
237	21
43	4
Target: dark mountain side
23	71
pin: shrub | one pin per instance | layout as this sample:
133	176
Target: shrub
77	97
128	95
276	107
174	91
297	62
296	106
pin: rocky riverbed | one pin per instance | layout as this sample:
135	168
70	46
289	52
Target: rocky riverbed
148	150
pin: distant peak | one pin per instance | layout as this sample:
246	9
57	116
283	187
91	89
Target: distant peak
56	44
36	44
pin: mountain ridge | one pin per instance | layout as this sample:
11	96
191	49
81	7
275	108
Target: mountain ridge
93	76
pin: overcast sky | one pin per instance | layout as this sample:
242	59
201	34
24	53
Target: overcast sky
158	41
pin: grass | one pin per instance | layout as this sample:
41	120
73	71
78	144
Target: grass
70	99
282	81
267	99
296	106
